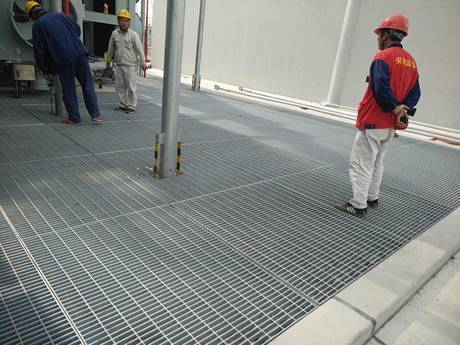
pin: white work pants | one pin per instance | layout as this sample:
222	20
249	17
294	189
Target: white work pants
366	164
126	85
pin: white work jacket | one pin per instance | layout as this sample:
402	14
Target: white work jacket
125	48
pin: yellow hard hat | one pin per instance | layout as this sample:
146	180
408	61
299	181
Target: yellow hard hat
123	13
29	5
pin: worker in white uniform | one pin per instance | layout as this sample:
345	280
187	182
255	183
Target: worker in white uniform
125	50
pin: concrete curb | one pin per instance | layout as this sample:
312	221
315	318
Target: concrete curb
356	313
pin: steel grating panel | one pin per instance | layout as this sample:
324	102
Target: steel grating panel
28	143
233	257
69	192
8	279
311	149
144	112
28	312
36	97
257	158
13	115
403	213
124	136
158	277
42	113
5	234
427	171
202	174
305	243
8	332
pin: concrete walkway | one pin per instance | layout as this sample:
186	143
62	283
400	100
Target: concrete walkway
432	316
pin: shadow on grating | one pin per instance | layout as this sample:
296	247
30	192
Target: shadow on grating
42	113
29	143
28	313
13	115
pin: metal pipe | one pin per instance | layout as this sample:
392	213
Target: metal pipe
142	26
196	81
60	109
58	100
344	49
146	35
171	85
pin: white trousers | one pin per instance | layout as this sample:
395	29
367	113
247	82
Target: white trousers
366	164
126	85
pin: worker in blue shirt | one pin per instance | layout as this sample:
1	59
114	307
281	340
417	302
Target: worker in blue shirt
59	50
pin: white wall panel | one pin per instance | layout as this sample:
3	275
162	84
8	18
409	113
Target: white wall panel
288	47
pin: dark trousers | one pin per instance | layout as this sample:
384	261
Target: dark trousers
79	69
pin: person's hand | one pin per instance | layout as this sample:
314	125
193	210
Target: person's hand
400	124
47	76
400	109
144	66
401	112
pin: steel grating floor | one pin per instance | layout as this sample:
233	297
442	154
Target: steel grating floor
247	242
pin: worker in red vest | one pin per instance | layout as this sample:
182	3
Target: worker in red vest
393	91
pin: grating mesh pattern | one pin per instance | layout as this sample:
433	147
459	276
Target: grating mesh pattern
33	316
305	243
69	192
12	115
236	250
162	278
403	213
34	143
428	172
42	114
202	174
257	158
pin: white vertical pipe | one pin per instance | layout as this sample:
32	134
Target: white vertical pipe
199	44
140	72
342	57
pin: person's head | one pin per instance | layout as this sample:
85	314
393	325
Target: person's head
392	30
124	19
33	10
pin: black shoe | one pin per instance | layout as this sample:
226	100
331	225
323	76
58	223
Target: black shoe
373	203
348	208
129	110
121	108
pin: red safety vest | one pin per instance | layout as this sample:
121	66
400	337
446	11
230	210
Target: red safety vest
403	75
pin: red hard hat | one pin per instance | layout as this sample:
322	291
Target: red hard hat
395	21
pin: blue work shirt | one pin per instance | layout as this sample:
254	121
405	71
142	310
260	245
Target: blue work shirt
56	40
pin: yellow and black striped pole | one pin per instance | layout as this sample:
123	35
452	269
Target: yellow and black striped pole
178	158
156	161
